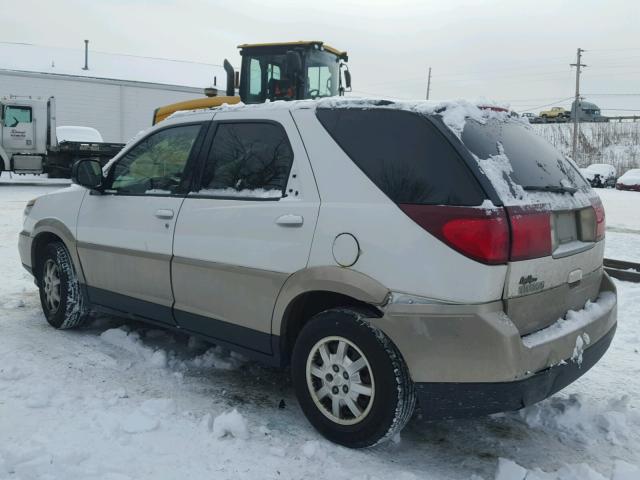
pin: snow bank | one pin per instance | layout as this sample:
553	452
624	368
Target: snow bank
615	423
509	470
130	341
230	424
573	321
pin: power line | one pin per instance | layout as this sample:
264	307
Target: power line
548	104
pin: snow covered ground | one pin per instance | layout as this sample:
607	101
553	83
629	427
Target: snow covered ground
120	400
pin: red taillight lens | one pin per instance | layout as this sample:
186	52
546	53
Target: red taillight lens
479	233
598	208
530	233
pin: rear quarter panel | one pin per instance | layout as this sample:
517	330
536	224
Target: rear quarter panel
394	250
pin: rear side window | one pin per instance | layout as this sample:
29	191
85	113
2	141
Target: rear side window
535	162
404	155
248	158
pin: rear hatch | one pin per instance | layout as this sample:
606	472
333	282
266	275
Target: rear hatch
556	222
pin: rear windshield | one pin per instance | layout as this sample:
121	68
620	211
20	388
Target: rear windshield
404	155
534	161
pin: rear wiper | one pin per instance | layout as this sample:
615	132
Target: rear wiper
551	188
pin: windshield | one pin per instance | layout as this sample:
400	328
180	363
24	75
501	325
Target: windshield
536	164
322	74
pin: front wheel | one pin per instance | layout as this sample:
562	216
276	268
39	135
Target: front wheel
350	380
61	295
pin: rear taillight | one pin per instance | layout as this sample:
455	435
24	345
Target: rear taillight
598	208
479	233
530	233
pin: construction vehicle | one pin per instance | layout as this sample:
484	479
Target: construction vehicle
275	71
29	141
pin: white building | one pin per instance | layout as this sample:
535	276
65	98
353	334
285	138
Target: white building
116	95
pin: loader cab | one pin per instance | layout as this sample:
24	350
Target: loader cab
275	71
292	71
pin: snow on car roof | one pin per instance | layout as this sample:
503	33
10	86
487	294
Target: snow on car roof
25	57
454	113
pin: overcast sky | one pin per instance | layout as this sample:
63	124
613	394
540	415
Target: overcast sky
512	51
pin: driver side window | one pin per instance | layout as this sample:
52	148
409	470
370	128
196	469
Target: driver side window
156	164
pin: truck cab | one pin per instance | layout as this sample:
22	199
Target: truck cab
25	133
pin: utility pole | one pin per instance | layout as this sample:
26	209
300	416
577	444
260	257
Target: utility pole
429	83
576	103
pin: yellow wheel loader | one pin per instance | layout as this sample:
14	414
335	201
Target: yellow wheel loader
276	71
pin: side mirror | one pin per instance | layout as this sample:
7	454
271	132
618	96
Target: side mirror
294	64
347	79
87	173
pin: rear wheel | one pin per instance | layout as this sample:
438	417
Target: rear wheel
351	381
61	295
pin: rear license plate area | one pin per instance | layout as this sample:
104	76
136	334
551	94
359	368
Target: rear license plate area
565	228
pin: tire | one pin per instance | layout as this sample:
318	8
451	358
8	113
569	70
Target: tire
63	303
391	399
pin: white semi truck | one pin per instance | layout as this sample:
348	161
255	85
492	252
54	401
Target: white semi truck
29	142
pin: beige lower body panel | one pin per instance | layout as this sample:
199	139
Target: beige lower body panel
477	343
241	296
140	275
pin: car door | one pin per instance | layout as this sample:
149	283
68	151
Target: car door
247	226
125	234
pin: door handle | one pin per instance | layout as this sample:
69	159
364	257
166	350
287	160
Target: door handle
165	214
290	220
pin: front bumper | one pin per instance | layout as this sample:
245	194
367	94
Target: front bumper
464	400
474	357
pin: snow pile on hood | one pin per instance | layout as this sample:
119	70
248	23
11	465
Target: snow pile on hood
631	177
78	134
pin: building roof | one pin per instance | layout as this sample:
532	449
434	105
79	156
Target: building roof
25	57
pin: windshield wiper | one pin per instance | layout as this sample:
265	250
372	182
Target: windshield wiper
551	188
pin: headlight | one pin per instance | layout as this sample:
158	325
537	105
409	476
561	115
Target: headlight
28	207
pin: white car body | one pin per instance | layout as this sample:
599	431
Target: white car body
234	268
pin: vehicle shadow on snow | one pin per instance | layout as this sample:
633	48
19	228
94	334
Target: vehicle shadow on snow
530	437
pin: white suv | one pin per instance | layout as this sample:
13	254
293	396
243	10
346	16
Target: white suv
387	252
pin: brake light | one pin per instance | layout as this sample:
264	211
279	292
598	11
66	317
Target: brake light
598	208
478	233
530	233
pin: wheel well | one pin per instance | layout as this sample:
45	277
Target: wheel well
305	306
38	249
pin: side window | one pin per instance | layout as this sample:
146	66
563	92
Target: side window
248	160
14	115
157	163
319	81
403	155
255	76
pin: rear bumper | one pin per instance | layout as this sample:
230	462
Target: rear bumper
463	400
474	357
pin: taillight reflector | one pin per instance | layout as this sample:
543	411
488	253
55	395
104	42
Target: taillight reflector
479	233
530	233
